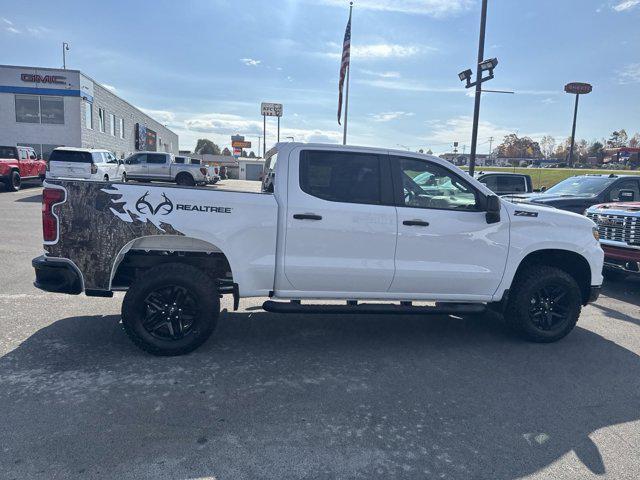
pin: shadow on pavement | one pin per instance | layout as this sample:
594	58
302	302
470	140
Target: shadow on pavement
37	198
627	290
273	396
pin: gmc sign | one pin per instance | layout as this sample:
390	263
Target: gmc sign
34	78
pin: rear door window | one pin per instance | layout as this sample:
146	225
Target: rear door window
70	156
156	158
346	177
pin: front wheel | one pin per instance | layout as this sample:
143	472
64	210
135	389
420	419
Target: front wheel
171	310
544	304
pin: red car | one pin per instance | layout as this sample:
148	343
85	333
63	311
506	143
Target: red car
18	164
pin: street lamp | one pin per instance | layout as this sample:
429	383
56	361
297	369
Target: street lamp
65	48
482	66
577	88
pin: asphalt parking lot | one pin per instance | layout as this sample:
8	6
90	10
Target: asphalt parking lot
274	396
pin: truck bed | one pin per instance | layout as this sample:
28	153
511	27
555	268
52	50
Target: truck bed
99	222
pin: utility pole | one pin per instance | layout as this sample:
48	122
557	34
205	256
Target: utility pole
476	107
490	143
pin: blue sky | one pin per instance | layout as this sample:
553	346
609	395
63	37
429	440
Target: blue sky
203	67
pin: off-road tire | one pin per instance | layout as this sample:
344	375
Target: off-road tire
200	285
185	180
13	182
614	275
526	285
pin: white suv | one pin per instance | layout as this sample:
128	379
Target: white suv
84	163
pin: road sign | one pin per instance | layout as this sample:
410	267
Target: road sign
271	109
578	88
240	144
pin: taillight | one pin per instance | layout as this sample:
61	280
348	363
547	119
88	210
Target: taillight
215	170
203	170
94	168
50	197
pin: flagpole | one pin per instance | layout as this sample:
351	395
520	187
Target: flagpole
346	99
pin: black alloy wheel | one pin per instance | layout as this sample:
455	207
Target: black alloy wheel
550	307
170	312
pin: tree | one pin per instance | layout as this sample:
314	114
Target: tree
617	139
429	152
514	147
634	142
548	145
596	149
251	154
226	152
243	154
205	145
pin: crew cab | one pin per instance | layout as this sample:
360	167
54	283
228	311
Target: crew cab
619	228
84	163
332	223
20	164
579	192
150	166
506	183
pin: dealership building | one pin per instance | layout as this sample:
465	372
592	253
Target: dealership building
46	108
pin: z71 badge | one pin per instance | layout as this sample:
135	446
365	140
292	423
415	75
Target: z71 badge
524	213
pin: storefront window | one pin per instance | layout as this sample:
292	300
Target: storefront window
52	110
27	109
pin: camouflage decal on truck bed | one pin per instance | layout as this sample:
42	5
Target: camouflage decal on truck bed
98	219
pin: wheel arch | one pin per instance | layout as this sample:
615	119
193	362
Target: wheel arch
145	252
568	261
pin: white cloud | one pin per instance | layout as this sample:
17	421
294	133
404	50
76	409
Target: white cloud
434	8
458	129
548	100
630	74
251	62
163	116
381	74
223	124
35	31
378	50
7	21
407	85
111	88
388	116
625	5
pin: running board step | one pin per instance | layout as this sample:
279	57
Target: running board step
443	308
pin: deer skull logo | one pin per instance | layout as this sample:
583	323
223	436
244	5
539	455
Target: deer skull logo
144	207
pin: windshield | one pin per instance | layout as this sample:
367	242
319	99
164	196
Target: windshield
8	152
581	186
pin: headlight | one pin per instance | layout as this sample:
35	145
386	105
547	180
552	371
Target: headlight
596	233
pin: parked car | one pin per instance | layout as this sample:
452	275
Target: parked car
20	164
84	163
343	223
150	166
619	228
506	183
578	193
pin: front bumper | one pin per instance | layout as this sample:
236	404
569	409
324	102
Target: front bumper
57	275
622	259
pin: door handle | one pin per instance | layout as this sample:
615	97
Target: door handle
416	223
307	216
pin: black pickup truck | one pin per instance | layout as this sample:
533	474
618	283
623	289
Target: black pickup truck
506	183
576	194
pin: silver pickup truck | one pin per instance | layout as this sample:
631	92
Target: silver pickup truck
149	166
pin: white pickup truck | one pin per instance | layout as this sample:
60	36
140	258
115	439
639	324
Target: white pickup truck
150	166
333	222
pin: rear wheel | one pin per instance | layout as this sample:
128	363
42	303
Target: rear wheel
544	304
106	178
171	310
14	182
185	179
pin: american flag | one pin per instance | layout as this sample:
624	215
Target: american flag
346	56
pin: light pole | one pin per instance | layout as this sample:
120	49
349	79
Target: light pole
65	48
578	89
483	65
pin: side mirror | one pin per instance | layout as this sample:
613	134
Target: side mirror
493	209
626	196
543	188
120	162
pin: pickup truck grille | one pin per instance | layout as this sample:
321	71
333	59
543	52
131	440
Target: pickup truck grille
617	228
